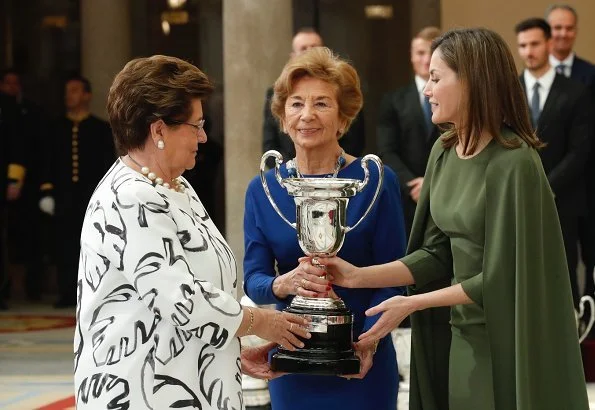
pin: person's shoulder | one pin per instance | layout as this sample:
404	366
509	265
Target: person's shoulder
255	184
129	186
583	64
98	122
437	149
523	160
570	85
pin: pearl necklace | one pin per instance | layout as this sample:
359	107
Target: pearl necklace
294	172
176	183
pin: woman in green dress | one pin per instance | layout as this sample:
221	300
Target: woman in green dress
492	319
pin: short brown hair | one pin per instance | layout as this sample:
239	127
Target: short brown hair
148	89
428	33
320	63
485	66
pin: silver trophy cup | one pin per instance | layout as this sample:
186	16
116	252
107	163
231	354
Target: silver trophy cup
321	206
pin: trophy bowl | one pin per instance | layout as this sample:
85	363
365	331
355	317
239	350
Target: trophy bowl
321	206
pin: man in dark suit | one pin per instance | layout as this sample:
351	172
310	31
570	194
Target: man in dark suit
24	225
82	150
12	171
352	142
563	20
405	132
562	115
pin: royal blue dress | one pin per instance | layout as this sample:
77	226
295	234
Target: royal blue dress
380	238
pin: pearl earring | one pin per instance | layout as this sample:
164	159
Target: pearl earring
160	144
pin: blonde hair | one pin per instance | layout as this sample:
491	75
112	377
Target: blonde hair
320	63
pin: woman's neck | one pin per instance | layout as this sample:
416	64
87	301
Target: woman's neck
142	158
484	140
317	161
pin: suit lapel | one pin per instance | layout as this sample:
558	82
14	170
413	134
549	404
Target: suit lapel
550	102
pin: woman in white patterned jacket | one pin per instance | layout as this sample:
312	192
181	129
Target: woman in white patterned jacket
157	317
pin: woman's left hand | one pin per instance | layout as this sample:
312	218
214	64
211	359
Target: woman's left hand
366	359
394	311
255	362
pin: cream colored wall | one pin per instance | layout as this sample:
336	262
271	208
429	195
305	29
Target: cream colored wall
502	15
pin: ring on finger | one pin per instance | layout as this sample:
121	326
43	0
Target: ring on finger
303	282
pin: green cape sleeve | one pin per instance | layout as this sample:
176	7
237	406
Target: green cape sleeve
526	296
527	300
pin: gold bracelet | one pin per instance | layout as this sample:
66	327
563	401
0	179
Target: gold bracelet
251	321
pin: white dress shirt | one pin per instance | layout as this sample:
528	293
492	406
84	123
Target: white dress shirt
568	61
421	84
545	84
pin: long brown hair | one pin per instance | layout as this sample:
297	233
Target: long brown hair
494	96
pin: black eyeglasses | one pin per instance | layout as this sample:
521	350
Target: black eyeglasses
198	126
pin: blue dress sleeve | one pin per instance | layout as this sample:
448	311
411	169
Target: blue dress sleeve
389	237
259	260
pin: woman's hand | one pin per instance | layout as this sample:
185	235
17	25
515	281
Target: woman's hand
280	327
255	362
366	359
305	280
394	311
341	272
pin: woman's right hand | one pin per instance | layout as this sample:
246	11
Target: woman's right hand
305	280
280	327
341	272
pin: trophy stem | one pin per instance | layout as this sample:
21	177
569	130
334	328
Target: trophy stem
317	264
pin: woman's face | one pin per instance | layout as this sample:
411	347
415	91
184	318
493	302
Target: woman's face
444	91
312	114
181	140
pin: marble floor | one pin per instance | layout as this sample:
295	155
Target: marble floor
36	366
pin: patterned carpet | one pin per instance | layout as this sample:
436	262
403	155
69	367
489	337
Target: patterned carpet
28	323
36	358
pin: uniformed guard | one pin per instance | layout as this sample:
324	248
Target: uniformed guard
82	150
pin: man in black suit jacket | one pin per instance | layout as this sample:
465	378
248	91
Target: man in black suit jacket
405	133
563	20
12	170
81	152
562	115
24	230
352	142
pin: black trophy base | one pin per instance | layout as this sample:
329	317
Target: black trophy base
285	363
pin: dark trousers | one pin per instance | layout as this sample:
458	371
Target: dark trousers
570	228
24	241
4	288
69	221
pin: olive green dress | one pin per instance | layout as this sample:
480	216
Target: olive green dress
489	223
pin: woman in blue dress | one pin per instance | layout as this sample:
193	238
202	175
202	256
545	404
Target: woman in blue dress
316	98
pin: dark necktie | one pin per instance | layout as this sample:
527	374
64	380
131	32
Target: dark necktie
428	113
561	69
535	102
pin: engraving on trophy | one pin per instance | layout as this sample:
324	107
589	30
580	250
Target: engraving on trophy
321	209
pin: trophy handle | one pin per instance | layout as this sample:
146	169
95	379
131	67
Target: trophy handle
362	185
586	300
278	160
